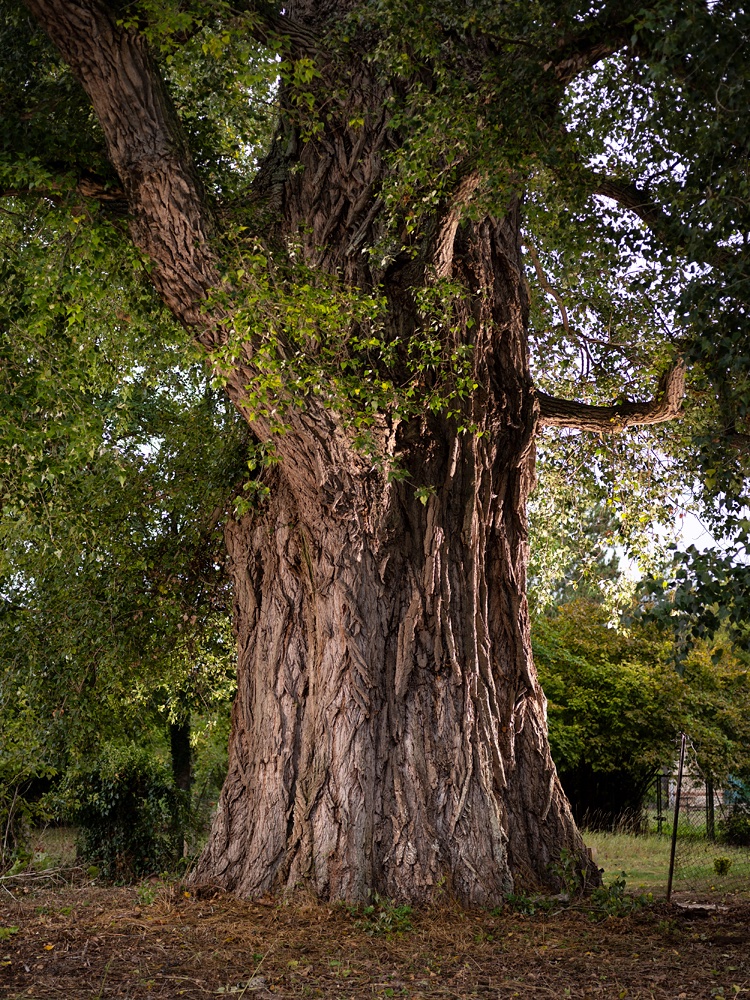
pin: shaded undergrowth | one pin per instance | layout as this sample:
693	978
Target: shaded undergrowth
164	939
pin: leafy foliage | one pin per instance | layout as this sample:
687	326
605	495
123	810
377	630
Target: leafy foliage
574	549
384	917
128	811
735	828
616	704
119	465
603	678
702	593
26	766
613	901
472	85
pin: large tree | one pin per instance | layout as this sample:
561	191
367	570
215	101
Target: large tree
365	302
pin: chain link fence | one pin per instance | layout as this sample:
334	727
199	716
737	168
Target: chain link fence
709	828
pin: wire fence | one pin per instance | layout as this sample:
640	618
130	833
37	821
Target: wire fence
709	829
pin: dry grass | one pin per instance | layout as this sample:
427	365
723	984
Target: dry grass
165	941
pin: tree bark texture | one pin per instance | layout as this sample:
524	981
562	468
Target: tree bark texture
389	731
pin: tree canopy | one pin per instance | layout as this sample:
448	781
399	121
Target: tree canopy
629	141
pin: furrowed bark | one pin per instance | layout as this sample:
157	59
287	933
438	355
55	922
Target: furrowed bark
169	220
389	731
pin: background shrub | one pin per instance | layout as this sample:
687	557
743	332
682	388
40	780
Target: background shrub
617	699
25	774
734	828
128	810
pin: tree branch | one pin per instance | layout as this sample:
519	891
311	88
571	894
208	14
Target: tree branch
146	146
666	405
601	37
664	226
88	185
740	441
546	285
269	27
579	59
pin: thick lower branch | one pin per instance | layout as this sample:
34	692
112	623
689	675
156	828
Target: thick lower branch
145	144
667	405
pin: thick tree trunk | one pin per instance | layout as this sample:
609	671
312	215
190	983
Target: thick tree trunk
389	731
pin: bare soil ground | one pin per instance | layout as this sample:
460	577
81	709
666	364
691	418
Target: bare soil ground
166	941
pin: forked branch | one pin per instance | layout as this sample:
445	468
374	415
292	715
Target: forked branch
550	289
666	405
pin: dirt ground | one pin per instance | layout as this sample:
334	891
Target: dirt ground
159	941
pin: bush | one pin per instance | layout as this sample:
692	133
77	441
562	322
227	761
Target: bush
17	816
735	828
129	812
25	775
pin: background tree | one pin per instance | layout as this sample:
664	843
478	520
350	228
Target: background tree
614	710
364	300
617	704
119	466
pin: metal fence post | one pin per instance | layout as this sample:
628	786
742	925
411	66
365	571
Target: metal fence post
659	816
676	815
710	816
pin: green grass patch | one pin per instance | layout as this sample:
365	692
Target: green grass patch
705	867
644	859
